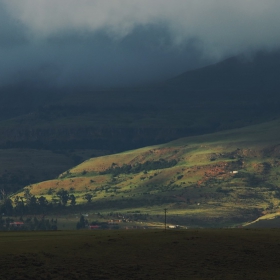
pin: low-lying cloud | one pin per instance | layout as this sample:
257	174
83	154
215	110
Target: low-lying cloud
124	41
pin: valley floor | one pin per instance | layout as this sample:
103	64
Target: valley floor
141	254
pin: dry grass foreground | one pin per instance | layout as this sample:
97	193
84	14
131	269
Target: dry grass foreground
143	254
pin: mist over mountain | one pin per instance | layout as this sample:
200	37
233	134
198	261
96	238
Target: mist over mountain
117	43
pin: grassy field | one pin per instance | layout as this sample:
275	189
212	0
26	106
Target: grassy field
141	254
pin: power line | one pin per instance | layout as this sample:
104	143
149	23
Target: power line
165	211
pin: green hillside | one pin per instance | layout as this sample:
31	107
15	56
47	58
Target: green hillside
220	179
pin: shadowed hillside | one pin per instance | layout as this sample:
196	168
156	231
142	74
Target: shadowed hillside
236	92
254	73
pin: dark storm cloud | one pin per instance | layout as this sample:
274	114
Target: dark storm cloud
84	58
70	42
145	55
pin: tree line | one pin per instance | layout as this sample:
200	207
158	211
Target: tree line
9	224
29	204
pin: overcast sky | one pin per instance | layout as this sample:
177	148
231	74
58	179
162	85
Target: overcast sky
118	42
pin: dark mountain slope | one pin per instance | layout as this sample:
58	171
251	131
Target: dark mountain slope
236	92
230	94
257	73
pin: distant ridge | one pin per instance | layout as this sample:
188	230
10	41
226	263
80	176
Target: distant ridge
260	71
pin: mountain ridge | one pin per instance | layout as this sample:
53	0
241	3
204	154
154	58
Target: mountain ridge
256	72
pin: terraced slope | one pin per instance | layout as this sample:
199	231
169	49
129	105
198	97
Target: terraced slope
219	179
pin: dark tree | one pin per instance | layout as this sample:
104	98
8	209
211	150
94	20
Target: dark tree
72	200
7	207
27	195
63	196
83	223
43	203
19	205
88	197
32	204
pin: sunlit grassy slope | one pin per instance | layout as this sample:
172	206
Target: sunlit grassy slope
219	179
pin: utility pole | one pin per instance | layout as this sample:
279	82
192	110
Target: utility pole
165	210
3	194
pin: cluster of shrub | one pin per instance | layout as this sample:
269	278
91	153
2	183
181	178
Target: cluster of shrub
9	224
19	207
138	167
